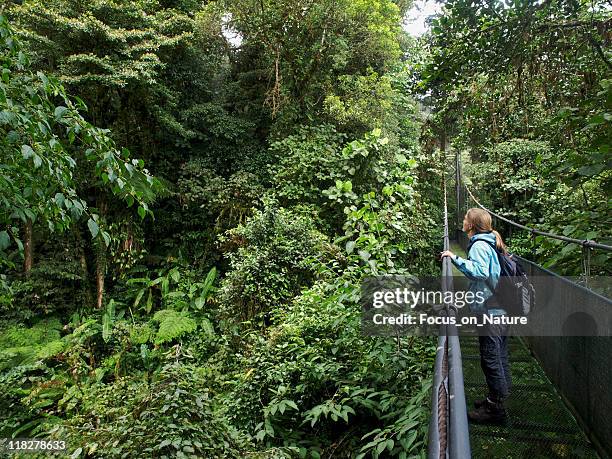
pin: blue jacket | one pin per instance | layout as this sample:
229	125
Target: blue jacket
482	264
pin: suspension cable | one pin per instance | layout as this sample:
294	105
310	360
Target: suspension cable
587	243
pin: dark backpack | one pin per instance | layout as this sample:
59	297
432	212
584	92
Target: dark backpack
513	291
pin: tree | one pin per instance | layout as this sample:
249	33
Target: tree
44	138
297	51
114	56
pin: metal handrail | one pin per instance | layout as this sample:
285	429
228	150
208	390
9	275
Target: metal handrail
448	428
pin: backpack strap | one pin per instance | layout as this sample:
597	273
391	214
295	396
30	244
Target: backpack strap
489	243
471	243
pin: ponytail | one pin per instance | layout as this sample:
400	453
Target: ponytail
499	242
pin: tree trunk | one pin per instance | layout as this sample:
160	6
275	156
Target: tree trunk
86	285
28	247
100	259
100	271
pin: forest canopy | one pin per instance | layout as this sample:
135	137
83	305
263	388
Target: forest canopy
192	192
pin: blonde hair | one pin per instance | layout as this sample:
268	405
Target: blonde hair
479	221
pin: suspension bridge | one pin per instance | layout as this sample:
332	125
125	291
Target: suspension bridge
560	402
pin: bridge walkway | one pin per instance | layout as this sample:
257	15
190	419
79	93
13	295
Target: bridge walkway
540	423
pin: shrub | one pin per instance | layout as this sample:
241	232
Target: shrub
268	268
317	383
307	162
171	416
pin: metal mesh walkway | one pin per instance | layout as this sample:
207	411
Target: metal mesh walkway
539	425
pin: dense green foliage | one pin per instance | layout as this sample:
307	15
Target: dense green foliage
44	138
228	325
207	306
525	89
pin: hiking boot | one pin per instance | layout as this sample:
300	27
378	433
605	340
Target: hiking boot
479	403
489	413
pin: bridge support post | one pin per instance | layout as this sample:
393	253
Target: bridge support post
459	210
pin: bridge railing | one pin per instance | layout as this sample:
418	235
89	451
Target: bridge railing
448	428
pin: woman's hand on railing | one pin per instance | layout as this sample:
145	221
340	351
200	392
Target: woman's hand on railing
447	253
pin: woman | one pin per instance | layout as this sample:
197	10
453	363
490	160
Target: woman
482	268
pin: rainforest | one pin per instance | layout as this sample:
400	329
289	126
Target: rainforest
191	193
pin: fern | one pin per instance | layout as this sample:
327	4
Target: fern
50	349
21	346
42	332
172	324
140	333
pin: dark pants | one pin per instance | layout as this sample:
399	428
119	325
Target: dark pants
494	360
